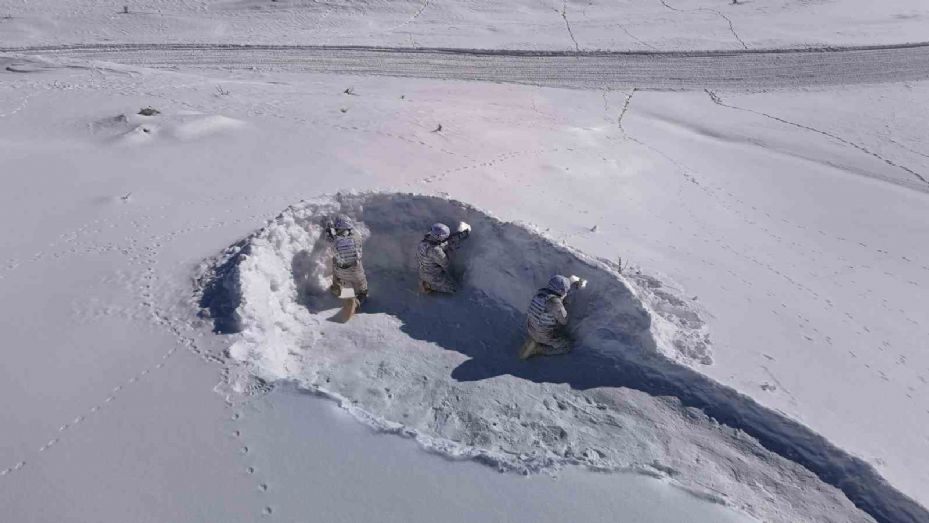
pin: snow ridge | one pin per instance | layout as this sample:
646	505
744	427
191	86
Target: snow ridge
443	370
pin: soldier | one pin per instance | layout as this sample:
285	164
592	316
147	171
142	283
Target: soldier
434	261
347	269
548	318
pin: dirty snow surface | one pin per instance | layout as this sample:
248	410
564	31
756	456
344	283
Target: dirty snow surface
750	347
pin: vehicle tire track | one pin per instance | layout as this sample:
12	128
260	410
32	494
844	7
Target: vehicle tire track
688	70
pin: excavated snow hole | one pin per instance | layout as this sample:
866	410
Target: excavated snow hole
443	369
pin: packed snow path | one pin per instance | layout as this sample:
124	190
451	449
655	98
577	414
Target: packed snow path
746	69
443	369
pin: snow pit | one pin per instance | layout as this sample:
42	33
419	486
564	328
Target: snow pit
443	369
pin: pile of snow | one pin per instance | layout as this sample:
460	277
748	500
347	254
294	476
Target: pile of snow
443	370
147	126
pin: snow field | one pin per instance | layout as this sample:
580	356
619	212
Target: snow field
517	24
790	221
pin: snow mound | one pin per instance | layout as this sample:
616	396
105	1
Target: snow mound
443	369
139	129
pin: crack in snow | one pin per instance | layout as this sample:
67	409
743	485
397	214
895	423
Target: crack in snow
625	108
714	11
412	18
713	192
564	16
728	201
718	101
636	38
906	147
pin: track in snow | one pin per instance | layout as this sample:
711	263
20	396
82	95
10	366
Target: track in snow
750	69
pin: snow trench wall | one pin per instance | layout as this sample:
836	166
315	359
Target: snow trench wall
269	290
505	262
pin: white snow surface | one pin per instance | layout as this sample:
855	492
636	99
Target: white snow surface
638	25
331	459
795	223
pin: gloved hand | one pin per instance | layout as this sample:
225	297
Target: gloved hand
464	230
577	282
330	229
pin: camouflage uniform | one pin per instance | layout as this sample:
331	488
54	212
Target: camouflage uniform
347	269
433	267
433	255
547	318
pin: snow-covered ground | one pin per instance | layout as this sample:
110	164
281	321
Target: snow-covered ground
641	25
776	281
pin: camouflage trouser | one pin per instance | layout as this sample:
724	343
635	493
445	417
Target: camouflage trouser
441	282
551	343
353	277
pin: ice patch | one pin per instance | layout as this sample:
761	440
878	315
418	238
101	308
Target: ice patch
443	370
